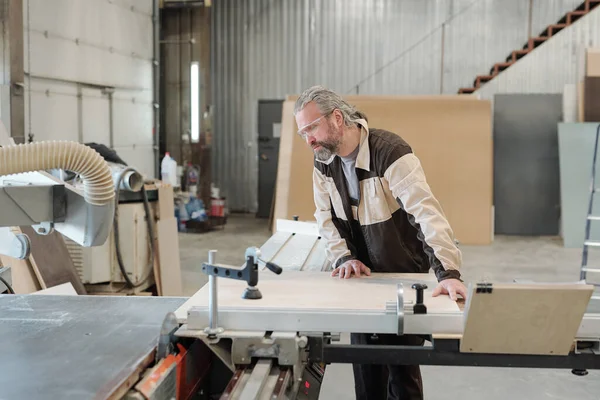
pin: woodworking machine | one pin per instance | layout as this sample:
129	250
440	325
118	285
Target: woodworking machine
266	329
291	339
254	331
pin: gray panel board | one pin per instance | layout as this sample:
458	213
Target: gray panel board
576	146
526	167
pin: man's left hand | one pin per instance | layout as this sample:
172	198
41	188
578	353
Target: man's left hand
450	287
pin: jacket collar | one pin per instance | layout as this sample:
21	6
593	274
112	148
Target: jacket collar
363	159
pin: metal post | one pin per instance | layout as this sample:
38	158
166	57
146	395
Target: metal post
156	84
12	80
212	290
400	307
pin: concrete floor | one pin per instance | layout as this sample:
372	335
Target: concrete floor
508	258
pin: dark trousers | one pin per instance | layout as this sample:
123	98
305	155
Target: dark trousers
387	382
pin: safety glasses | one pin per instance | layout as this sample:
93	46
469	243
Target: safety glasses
309	129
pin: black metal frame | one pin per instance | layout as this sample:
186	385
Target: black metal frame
248	273
445	352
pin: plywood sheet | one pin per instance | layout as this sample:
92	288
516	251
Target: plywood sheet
592	67
580	101
353	98
53	259
289	142
274	244
168	253
317	260
315	291
166	201
296	251
450	134
64	289
570	103
591	95
296	246
547	325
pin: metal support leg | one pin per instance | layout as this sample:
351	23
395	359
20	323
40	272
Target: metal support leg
212	287
213	317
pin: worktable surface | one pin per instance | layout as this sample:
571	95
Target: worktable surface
75	347
315	291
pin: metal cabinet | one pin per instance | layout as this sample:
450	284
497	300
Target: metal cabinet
269	132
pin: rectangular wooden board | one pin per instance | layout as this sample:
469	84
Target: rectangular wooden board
64	289
591	93
592	62
524	318
166	201
53	260
451	135
314	291
168	253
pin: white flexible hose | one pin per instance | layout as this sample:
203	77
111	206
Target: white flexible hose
98	187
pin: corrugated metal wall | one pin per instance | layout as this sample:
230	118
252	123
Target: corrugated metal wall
265	49
484	35
545	12
548	68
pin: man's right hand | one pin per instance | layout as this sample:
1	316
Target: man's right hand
350	267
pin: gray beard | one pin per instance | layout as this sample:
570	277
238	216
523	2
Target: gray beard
330	146
323	154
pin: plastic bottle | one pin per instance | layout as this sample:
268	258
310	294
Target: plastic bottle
165	167
168	170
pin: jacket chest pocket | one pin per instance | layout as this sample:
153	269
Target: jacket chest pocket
336	199
373	206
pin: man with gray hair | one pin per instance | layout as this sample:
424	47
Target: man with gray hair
377	213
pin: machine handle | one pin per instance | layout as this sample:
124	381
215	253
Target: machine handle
274	268
419	307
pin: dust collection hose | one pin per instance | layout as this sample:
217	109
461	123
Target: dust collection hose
124	174
98	185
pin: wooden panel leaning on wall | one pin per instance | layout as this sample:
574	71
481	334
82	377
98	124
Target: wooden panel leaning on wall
451	135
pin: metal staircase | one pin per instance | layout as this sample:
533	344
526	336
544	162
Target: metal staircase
531	44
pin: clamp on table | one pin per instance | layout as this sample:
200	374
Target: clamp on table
419	307
248	273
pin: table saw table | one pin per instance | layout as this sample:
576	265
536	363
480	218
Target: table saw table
76	347
297	319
